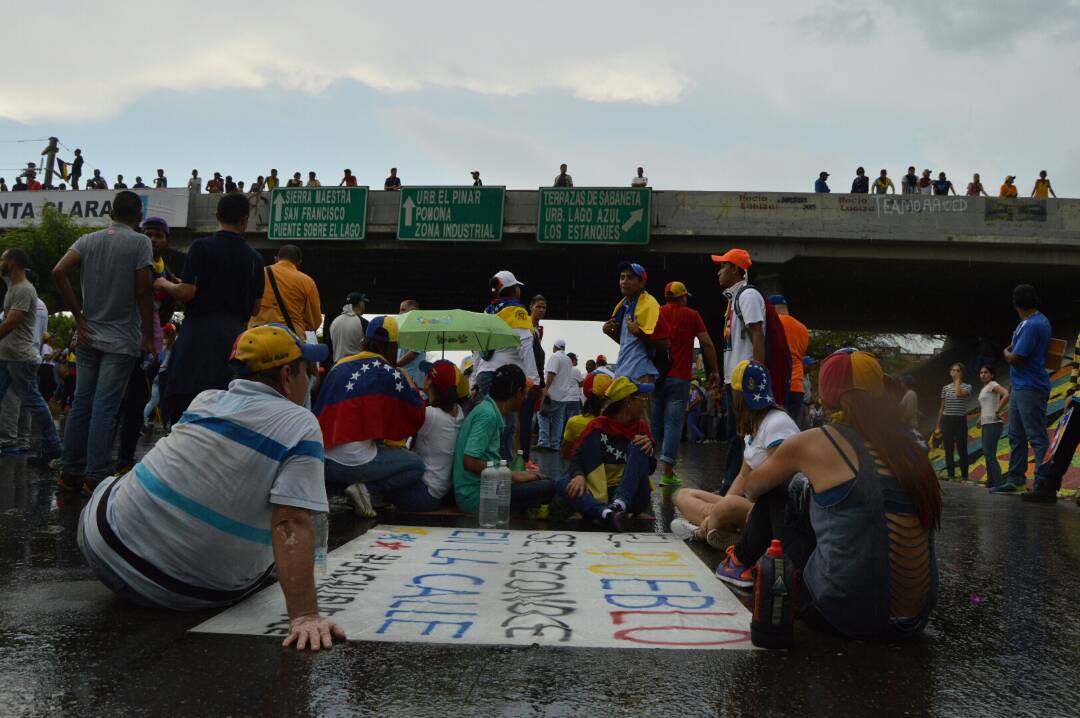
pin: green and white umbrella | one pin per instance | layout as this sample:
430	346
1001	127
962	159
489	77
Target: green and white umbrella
425	330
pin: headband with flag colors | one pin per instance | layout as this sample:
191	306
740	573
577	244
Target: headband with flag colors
846	370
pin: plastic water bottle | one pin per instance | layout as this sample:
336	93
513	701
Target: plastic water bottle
505	482
321	523
489	496
773	622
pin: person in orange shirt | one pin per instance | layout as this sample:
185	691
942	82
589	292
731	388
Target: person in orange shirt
798	339
294	301
1008	189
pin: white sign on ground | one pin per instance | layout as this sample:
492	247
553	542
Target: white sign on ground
91	207
495	587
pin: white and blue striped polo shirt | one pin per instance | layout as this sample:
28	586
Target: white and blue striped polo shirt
198	506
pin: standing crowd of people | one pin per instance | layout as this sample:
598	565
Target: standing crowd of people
912	183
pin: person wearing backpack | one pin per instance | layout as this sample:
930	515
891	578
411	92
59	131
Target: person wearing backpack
752	330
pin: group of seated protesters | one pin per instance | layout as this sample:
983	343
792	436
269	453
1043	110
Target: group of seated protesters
855	503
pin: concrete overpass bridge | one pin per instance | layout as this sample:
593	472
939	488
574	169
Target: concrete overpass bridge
941	265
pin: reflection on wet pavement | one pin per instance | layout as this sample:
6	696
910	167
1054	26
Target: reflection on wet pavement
1003	641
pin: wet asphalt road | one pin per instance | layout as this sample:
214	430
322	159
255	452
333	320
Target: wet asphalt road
1005	640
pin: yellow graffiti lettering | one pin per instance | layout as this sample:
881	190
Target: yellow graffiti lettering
670	558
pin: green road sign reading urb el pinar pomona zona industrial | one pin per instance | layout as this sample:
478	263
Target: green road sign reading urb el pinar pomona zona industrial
298	213
457	214
594	215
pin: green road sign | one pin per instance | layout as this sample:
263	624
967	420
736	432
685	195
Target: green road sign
594	215
318	213
459	214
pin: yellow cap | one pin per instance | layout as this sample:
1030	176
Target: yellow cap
624	387
272	345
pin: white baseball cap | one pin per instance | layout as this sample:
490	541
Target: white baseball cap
560	343
506	279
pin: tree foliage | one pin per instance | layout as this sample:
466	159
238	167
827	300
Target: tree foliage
44	243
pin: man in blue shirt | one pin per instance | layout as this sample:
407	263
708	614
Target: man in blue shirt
634	325
821	186
1026	356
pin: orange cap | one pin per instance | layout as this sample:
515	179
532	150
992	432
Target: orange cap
739	257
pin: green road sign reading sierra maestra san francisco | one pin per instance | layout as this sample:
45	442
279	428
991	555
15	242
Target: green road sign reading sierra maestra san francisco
460	214
594	215
318	213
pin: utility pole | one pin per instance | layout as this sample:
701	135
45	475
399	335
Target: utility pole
50	160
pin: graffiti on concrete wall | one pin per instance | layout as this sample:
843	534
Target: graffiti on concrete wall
1013	210
918	205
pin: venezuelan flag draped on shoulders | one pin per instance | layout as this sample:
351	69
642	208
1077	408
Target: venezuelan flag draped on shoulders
511	311
645	310
602	450
364	398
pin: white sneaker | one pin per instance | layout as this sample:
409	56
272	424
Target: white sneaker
683	529
361	499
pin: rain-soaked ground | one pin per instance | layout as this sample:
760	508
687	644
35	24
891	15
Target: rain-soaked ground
1005	640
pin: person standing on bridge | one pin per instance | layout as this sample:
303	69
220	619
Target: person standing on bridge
295	181
883	184
76	169
476	181
273	181
563	179
798	339
393	182
926	185
161	181
821	186
942	186
216	185
1043	190
669	404
312	181
975	187
910	183
194	184
1026	356
221	286
1008	189
861	183
119	183
640	180
349	180
348	329
744	338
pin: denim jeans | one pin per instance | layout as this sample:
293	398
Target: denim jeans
21	377
551	425
14	422
668	413
483	388
99	388
693	427
633	489
1027	425
955	441
735	443
396	474
1050	472
794	406
531	493
991	434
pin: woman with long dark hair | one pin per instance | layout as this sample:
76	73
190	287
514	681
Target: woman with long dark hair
861	524
991	397
952	420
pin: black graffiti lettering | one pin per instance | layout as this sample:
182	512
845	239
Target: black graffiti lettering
550	539
537	629
525	608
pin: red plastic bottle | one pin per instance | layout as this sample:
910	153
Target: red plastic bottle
773	622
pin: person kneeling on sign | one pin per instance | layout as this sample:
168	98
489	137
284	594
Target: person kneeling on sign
860	526
614	455
764	426
206	515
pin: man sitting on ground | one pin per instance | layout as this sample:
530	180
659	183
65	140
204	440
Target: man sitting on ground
480	440
206	515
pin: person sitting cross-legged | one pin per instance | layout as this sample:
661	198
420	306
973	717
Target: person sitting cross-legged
203	520
367	408
608	478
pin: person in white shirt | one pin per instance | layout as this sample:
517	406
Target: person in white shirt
640	180
194	184
561	398
445	387
991	397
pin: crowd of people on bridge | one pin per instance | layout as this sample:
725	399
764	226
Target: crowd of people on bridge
912	183
268	423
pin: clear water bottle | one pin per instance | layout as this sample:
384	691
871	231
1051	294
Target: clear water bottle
505	482
321	523
489	496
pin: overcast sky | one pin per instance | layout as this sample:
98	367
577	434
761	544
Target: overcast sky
704	95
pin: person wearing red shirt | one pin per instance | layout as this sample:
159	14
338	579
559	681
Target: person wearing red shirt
798	339
349	180
682	325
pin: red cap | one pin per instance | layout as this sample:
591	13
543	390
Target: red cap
739	257
775	549
443	374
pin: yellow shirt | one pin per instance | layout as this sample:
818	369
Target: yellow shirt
314	183
1042	189
272	182
301	299
574	426
1008	190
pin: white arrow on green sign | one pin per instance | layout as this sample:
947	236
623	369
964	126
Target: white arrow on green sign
456	214
300	213
594	215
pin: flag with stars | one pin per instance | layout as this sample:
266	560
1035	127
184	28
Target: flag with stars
601	453
365	398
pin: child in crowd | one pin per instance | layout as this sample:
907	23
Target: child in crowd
594	387
765	426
